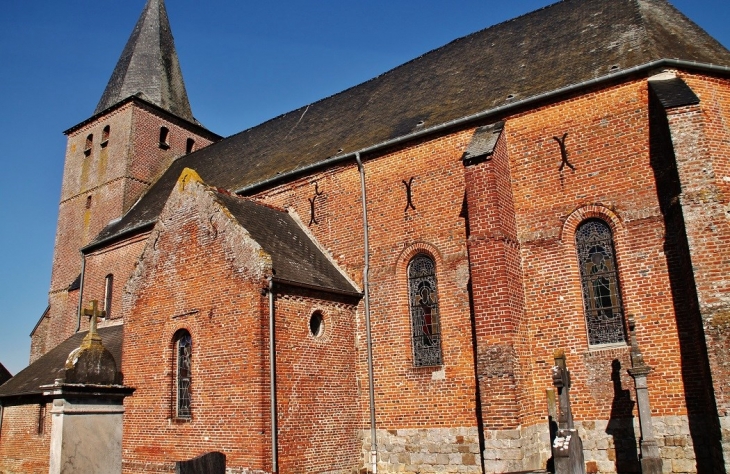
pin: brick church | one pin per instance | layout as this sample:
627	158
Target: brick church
390	273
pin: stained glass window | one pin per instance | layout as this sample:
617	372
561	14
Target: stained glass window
183	346
599	278
425	323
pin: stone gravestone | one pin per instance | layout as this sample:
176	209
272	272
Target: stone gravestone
86	425
210	463
567	446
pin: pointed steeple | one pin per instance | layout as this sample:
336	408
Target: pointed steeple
149	67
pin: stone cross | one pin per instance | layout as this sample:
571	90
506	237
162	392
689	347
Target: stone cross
567	445
561	380
651	461
92	338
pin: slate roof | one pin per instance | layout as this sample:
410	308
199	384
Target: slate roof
295	257
46	369
5	374
561	45
149	66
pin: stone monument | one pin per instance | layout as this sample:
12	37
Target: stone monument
86	428
651	461
567	445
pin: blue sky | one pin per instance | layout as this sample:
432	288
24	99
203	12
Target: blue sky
243	62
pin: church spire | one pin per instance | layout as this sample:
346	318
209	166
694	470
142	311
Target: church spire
149	67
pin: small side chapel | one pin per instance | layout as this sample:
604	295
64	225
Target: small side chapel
506	255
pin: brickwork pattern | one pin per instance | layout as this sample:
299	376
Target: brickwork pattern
118	260
438	397
608	144
186	257
22	449
317	389
497	295
101	184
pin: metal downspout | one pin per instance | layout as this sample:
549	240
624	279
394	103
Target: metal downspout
1	420
272	377
366	290
81	292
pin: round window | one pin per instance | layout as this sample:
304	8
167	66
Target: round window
316	324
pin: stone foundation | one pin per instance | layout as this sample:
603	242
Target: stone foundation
609	446
520	449
618	451
448	450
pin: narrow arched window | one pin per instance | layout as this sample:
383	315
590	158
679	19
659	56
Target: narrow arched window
164	138
108	286
183	359
425	323
105	136
89	144
189	145
599	279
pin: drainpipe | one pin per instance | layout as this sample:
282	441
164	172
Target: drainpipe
366	290
272	377
1	420
81	292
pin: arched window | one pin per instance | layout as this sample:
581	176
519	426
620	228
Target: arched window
189	145
599	279
164	138
105	136
89	144
425	324
108	286
183	356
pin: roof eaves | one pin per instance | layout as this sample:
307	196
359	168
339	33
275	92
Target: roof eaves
139	228
324	289
43	315
196	126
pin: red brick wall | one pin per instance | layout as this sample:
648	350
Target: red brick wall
118	260
22	449
496	278
608	144
701	141
209	283
317	387
114	176
406	396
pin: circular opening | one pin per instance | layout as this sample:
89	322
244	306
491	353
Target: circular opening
316	324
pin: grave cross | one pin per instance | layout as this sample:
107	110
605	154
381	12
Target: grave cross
561	380
92	338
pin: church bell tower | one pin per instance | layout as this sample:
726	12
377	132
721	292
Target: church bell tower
142	123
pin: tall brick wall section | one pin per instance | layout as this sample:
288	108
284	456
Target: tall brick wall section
22	449
204	276
317	388
406	396
496	281
101	185
699	137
